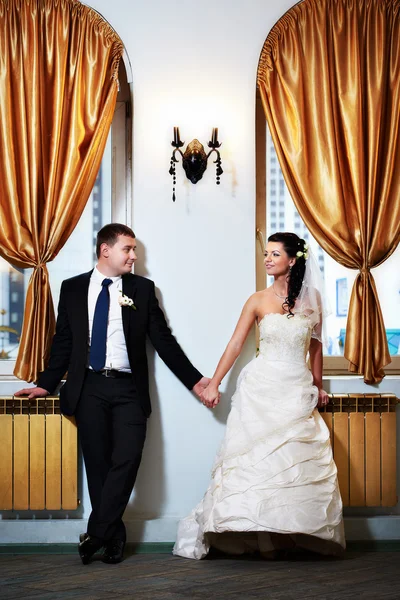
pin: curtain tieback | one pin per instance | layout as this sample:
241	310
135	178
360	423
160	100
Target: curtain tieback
40	272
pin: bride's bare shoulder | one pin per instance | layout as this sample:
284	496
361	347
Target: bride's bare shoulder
264	293
259	297
259	301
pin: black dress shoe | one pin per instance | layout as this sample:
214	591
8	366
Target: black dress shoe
113	552
88	547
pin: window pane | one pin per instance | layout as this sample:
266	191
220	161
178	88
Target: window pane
77	256
338	280
12	294
387	279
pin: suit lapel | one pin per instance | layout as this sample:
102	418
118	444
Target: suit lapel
128	289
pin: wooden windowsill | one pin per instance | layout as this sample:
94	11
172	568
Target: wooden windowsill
338	365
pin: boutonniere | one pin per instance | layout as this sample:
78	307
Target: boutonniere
124	300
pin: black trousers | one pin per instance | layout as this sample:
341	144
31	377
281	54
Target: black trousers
112	430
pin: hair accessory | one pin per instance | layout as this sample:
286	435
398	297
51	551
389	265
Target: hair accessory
304	253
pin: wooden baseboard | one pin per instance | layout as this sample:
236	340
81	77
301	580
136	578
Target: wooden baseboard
166	547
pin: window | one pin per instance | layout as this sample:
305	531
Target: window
338	280
107	203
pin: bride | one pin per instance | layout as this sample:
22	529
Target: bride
274	482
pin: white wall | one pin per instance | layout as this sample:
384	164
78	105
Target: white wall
193	65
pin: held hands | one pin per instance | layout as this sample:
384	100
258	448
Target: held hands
211	396
207	392
323	398
32	392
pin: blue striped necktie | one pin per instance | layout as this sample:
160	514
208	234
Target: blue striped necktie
98	346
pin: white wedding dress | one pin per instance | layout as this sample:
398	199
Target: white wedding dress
274	472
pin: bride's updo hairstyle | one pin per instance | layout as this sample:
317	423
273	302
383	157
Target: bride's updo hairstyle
292	244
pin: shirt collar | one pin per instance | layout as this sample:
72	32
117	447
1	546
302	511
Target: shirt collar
99	277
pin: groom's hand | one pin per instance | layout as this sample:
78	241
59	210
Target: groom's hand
32	392
200	386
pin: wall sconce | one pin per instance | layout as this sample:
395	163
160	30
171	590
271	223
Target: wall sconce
194	158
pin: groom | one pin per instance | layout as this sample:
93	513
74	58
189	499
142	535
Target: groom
103	319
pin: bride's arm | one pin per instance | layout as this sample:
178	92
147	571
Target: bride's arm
249	314
316	363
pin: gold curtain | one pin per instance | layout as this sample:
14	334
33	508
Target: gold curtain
329	78
58	87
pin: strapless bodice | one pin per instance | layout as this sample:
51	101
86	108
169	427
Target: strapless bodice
284	339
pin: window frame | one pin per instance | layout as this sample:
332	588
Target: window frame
333	365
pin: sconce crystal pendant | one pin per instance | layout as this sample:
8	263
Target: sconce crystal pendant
194	159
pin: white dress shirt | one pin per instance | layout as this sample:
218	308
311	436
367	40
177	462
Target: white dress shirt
116	354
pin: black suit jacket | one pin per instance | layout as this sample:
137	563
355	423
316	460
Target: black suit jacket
69	351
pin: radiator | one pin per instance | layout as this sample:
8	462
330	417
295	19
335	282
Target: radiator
363	435
38	466
39	455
